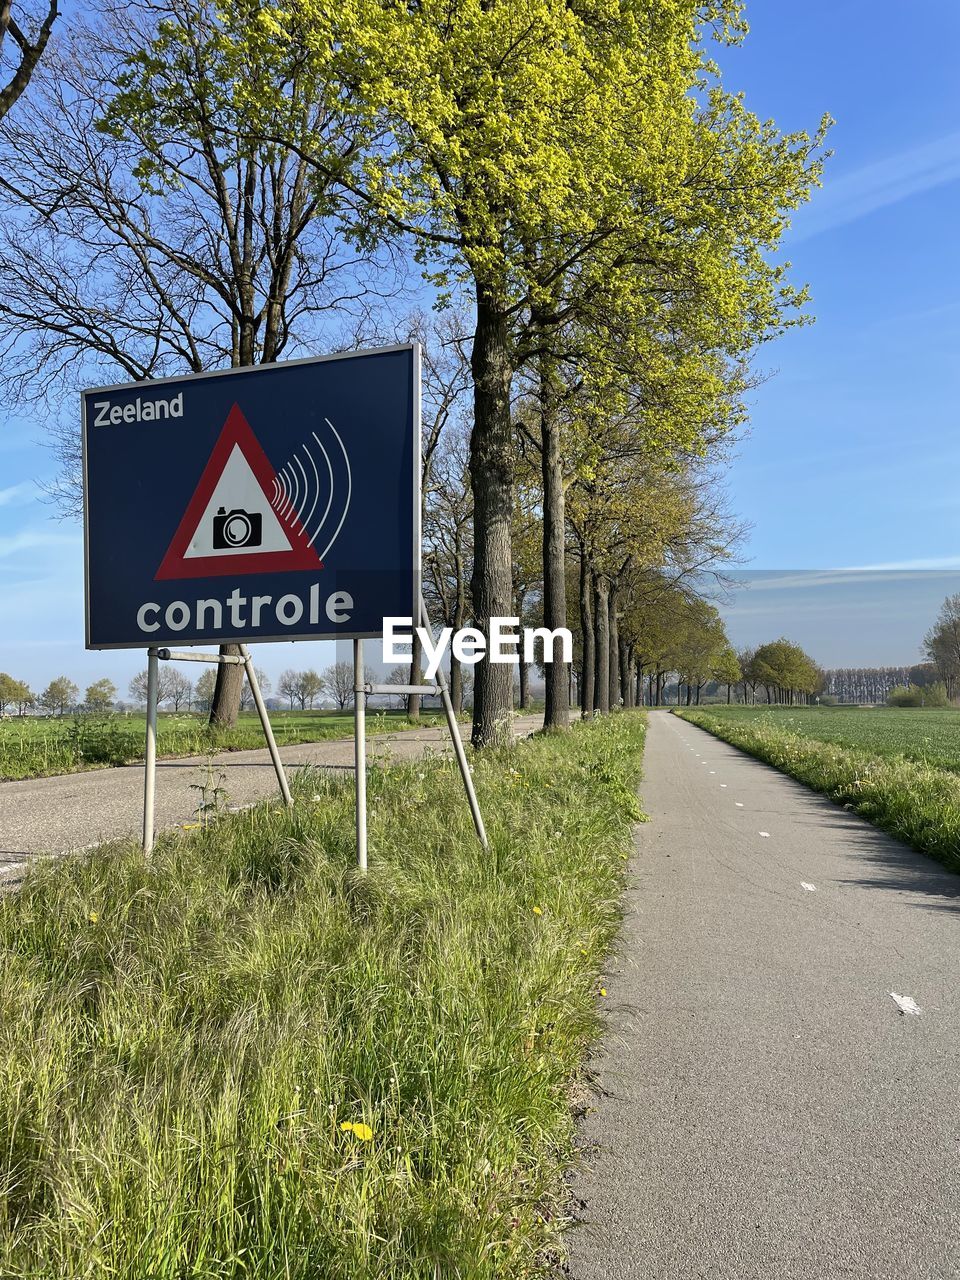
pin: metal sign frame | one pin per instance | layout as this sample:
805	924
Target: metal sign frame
158	653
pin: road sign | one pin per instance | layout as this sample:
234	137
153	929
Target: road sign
279	502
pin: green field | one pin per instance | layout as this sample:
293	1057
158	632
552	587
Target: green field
35	746
928	735
239	1058
897	767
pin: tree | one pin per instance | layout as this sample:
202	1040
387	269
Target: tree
501	129
204	689
9	688
311	686
14	693
100	695
338	679
726	669
29	48
59	694
943	644
246	696
399	676
785	671
148	228
179	690
288	686
138	685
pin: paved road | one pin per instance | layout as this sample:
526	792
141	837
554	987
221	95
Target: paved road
765	1111
54	815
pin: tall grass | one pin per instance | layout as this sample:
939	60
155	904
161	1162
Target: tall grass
36	748
918	803
185	1042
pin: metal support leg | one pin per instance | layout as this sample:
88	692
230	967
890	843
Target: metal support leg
360	752
454	727
267	726
150	753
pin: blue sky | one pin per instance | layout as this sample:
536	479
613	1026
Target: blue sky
853	452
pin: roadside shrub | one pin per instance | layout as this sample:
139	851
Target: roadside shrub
914	695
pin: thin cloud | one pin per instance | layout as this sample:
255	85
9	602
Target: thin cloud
875	186
18	493
33	540
926	563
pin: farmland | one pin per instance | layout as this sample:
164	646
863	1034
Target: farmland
35	747
929	735
897	767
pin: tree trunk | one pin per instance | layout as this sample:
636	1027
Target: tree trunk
556	713
491	476
601	622
613	677
416	677
456	685
626	684
226	692
589	651
524	670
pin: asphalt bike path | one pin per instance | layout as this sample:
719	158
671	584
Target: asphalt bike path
42	816
778	1087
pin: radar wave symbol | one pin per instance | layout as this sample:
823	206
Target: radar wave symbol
300	485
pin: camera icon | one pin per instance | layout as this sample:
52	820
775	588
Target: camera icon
237	528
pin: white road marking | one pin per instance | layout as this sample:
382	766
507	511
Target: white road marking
765	834
723	786
811	888
906	1004
713	772
738	803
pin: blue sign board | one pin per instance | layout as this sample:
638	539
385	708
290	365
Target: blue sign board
278	502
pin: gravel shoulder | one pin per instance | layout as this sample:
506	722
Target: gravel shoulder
43	816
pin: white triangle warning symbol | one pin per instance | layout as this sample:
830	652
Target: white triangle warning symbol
238	519
230	525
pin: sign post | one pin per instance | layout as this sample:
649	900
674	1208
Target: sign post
269	503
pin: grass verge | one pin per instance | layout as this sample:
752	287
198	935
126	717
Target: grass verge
238	1059
38	748
918	803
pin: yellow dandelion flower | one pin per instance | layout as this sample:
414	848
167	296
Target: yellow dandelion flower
603	991
538	911
94	917
191	826
361	1131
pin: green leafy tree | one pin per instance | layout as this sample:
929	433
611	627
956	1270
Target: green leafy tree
205	688
726	670
100	695
513	141
60	694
